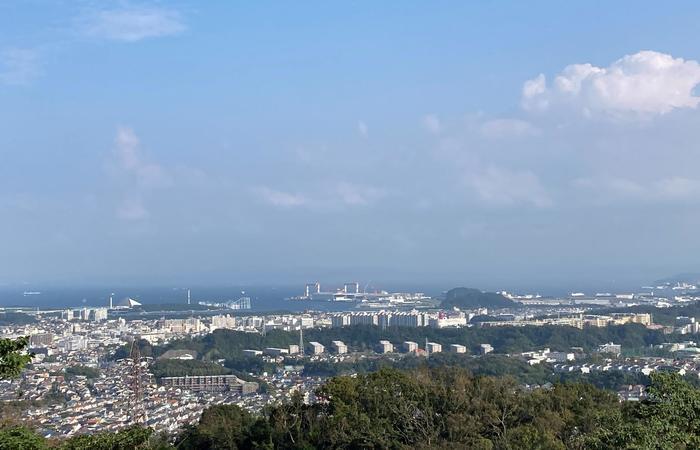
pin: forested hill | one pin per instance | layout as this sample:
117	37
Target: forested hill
462	297
230	344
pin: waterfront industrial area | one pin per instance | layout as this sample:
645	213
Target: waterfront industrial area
88	372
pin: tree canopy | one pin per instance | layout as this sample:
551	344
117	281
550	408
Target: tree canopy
462	297
13	356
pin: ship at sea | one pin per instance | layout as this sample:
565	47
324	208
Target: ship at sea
26	293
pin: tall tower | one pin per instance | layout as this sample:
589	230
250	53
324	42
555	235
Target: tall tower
111	300
137	410
188	297
301	340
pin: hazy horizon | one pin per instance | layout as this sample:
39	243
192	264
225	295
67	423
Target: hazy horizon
455	143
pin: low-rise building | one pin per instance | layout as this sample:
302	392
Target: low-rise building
485	349
433	347
560	356
410	346
610	347
274	351
385	347
211	383
316	348
339	347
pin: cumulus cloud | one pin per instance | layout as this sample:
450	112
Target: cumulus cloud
131	24
136	175
432	123
503	187
18	66
646	83
130	159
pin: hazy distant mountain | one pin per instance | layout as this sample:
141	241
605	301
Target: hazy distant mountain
462	297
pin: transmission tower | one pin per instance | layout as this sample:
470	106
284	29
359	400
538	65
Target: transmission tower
137	410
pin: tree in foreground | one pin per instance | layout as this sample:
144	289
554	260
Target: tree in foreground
13	356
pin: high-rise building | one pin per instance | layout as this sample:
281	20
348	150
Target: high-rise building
223	321
99	314
73	343
41	340
340	320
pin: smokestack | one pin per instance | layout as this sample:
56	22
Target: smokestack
188	296
111	296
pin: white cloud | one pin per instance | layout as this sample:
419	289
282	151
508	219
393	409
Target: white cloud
130	159
357	195
362	129
504	128
131	24
280	198
18	66
132	209
611	189
327	197
503	187
646	83
137	175
667	189
678	188
432	123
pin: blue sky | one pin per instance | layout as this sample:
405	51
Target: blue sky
493	144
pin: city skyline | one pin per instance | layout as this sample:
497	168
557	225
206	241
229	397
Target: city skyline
172	143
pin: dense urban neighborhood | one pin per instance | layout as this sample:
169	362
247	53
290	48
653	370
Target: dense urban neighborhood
102	369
